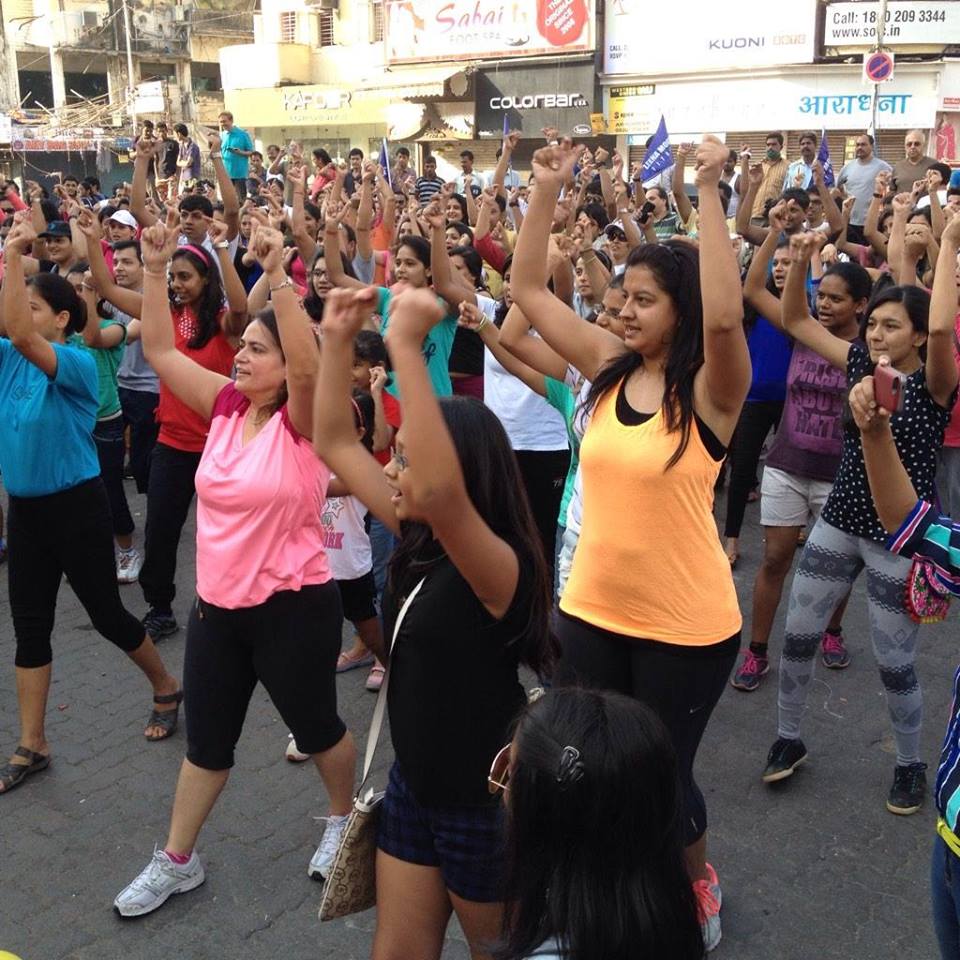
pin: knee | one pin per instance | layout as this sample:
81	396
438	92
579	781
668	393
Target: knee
33	652
776	563
215	758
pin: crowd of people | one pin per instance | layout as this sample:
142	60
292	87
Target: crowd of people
502	405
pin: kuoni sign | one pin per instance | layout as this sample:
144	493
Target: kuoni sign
423	30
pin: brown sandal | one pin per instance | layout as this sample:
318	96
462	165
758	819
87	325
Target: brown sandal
165	719
13	774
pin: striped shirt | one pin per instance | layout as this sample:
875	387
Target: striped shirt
927	533
427	188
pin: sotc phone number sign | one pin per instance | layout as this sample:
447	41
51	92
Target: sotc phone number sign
908	23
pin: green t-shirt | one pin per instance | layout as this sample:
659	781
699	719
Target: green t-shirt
562	398
108	362
436	346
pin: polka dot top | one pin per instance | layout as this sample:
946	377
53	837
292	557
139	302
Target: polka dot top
918	434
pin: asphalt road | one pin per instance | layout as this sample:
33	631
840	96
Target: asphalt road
815	869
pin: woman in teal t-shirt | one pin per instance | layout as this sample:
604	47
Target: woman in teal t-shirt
59	517
411	267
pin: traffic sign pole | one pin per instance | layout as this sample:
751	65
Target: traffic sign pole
881	31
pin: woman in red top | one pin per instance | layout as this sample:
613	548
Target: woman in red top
208	307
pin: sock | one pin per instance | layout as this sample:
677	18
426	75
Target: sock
758	649
178	858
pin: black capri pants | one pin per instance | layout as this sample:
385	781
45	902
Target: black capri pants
290	643
680	684
70	532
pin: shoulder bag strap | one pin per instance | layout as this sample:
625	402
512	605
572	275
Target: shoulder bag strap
376	724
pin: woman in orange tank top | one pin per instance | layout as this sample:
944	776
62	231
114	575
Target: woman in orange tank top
650	609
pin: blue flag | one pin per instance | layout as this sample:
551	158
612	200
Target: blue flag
658	156
384	162
823	155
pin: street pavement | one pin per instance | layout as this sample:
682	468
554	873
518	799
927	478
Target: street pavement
816	869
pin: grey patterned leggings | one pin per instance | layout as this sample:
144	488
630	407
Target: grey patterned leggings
830	562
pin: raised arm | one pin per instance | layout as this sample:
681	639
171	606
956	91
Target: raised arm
129	301
235	318
296	336
916	237
446	283
334	433
755	285
432	471
941	366
95	336
830	210
388	206
584	345
893	492
145	151
509	144
18	320
871	224
722	382
331	250
606	182
937	219
196	386
473	319
306	245
795	311
902	205
532	351
228	192
680	198
751	233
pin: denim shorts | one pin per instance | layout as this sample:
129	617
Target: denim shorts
464	842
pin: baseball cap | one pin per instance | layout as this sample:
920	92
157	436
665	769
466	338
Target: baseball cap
615	229
57	228
125	217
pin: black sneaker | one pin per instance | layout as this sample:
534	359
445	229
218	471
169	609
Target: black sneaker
160	624
908	790
784	757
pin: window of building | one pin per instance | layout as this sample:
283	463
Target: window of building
325	36
376	21
288	27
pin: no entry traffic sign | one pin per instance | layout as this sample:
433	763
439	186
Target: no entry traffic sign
878	67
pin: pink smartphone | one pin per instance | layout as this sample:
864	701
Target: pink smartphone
888	388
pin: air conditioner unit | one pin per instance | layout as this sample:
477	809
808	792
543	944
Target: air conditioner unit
180	14
329	4
91	19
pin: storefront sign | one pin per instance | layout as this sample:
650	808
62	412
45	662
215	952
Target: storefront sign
908	22
307	106
422	30
815	100
715	36
532	98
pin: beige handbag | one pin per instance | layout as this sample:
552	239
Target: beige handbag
351	886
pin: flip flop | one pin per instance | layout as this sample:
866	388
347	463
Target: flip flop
13	774
165	719
345	662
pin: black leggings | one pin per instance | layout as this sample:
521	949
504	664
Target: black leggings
290	643
757	419
64	533
139	413
544	473
169	495
680	684
108	436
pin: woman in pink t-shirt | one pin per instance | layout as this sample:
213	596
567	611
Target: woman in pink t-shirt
267	607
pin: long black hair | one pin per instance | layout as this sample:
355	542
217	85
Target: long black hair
209	307
60	296
675	266
495	487
750	312
473	262
594	839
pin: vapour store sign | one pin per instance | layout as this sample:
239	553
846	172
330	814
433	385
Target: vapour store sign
533	97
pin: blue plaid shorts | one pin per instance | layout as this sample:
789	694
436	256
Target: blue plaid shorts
464	842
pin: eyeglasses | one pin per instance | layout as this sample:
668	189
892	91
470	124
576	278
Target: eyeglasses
612	314
499	777
399	459
319	272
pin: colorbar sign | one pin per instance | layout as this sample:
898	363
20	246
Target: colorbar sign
424	30
912	23
715	36
532	98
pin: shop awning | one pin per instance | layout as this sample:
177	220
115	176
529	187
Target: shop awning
417	83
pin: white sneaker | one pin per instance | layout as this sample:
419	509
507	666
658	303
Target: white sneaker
293	754
158	881
129	563
321	863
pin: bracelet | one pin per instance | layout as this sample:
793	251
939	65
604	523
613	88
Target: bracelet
281	286
878	196
222	245
484	322
216	156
